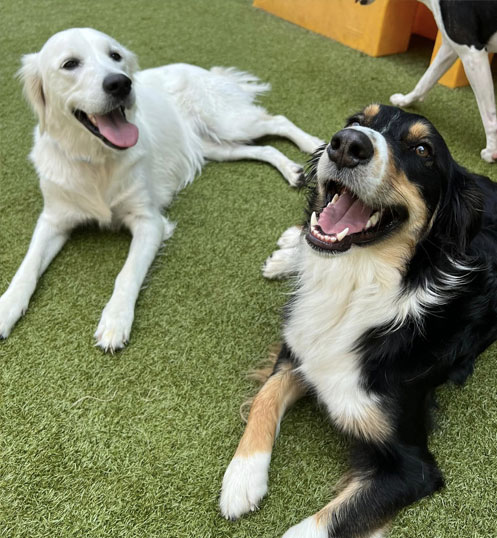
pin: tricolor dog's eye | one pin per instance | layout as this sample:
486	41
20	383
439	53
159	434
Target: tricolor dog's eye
71	64
116	56
422	150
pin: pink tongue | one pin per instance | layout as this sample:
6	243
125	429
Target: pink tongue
348	212
117	130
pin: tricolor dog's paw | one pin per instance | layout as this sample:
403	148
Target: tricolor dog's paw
308	528
244	485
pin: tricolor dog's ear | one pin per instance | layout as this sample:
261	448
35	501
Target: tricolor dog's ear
30	76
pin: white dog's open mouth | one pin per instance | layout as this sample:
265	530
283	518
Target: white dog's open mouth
112	128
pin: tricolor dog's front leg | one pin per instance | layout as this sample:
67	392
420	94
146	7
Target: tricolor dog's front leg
117	318
245	479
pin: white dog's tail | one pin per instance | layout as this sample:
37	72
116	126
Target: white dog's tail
247	82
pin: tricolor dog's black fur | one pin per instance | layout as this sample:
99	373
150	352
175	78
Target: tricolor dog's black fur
382	314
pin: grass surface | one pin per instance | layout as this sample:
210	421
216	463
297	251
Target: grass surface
135	444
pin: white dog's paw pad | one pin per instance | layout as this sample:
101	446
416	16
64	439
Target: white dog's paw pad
244	485
308	528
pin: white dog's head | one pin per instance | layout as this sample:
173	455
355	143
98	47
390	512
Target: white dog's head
80	85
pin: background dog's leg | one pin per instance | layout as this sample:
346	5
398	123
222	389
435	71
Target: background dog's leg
225	151
283	262
445	57
245	479
383	480
477	68
48	238
117	318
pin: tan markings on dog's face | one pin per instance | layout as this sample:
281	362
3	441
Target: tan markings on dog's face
398	249
280	391
371	111
418	131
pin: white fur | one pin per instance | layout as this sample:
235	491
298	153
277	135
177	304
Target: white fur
478	71
244	484
184	114
307	528
338	299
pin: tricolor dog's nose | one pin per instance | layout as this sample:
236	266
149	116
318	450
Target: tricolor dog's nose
350	147
117	85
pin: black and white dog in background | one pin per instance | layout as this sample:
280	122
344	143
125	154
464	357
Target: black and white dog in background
396	293
469	31
113	145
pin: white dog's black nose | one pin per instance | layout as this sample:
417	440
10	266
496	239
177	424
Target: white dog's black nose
117	85
350	147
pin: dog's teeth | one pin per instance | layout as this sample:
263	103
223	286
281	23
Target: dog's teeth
335	198
373	220
342	234
93	119
314	219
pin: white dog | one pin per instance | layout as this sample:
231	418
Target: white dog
114	145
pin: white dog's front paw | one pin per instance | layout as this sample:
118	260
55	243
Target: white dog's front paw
293	173
489	155
308	528
244	484
12	307
114	328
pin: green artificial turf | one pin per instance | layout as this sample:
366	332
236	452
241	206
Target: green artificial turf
135	444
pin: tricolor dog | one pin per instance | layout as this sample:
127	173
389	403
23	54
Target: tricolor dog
113	145
395	294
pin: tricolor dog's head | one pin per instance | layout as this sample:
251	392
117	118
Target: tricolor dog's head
81	81
388	180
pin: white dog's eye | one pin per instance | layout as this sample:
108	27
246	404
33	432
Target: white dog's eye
116	56
71	64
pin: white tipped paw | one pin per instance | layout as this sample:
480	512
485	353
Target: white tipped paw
399	99
290	237
308	528
244	485
12	307
280	264
489	155
293	173
114	328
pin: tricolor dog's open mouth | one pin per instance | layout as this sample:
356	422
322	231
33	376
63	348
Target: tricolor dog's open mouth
345	220
112	128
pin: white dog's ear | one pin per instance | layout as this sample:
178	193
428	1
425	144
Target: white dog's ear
30	76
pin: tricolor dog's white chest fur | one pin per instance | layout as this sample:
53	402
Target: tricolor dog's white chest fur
337	301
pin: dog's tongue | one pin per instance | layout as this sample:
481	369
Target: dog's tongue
117	130
347	212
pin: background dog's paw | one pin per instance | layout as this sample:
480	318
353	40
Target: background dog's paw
308	528
489	155
280	264
113	329
399	99
244	484
290	237
12	308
